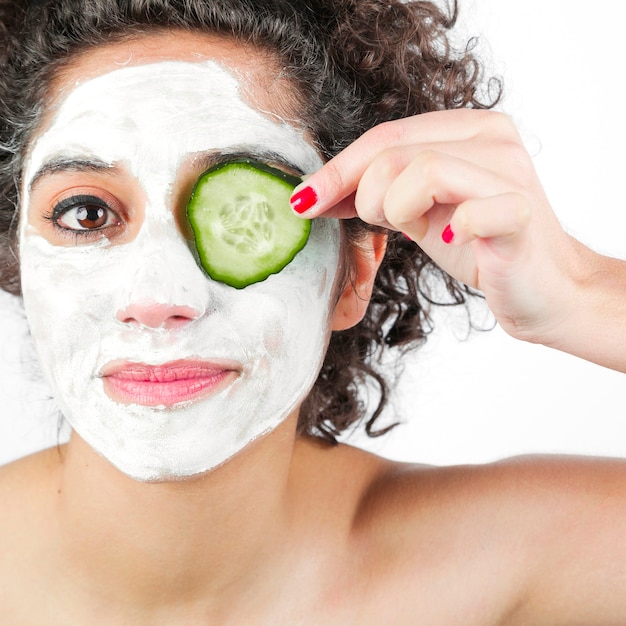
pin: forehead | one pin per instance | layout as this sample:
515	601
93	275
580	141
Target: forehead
167	104
258	72
167	96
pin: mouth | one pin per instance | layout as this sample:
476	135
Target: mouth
166	385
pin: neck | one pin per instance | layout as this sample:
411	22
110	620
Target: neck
206	537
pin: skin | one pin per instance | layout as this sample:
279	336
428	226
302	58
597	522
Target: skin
132	291
470	170
291	531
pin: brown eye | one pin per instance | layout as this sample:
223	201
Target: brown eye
90	217
83	213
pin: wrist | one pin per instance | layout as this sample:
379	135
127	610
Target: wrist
592	320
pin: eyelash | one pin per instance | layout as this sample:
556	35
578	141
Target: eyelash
74	202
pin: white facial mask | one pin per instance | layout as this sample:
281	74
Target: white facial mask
147	120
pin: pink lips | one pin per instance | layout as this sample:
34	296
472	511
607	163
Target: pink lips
165	385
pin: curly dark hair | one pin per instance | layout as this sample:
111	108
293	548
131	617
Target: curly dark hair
355	63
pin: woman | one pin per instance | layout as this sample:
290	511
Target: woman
199	485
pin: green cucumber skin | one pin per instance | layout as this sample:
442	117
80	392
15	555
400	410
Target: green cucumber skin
217	257
290	179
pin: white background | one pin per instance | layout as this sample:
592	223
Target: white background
477	399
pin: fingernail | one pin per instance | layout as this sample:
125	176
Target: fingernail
407	237
447	235
303	200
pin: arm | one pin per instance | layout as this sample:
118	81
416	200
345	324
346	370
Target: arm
569	517
529	540
461	184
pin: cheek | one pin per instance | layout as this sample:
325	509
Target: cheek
64	281
64	307
274	337
293	309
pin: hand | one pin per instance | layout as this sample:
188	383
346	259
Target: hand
466	175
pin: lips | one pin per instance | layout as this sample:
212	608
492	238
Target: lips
168	384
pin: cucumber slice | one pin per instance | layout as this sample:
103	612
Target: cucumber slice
242	222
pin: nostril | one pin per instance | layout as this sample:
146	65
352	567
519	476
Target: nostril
178	320
153	315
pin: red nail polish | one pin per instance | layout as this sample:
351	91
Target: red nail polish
303	200
407	237
447	235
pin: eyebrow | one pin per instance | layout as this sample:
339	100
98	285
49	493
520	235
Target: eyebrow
210	158
202	160
64	164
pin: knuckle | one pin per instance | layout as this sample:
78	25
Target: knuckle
518	162
368	211
522	208
430	165
334	181
498	124
513	153
388	164
397	219
386	133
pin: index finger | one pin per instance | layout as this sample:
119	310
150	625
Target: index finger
328	192
331	189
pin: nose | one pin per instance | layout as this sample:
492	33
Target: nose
157	316
160	284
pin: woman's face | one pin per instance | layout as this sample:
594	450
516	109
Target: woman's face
162	370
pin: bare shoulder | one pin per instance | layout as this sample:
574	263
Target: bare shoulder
508	542
522	485
545	490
